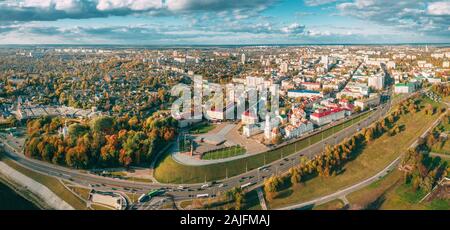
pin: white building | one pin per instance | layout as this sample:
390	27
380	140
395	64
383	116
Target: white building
250	130
354	90
364	103
254	81
215	115
377	81
249	118
327	116
404	88
284	67
299	129
304	93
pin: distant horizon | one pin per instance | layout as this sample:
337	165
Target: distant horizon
230	45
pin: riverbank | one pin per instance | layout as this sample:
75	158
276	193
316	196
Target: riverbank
34	188
13	197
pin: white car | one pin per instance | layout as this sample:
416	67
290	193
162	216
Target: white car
205	186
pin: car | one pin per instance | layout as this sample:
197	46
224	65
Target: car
181	187
220	185
205	186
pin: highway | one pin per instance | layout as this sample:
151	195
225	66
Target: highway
255	177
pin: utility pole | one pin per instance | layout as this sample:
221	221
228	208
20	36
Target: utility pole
226	173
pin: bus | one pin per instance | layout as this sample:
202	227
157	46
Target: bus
246	185
154	193
142	198
203	195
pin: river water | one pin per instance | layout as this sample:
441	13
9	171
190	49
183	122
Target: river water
10	200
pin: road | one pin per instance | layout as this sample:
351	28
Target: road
256	177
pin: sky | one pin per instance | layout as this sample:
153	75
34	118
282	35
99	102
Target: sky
182	22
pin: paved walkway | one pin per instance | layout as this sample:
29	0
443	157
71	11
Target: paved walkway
36	188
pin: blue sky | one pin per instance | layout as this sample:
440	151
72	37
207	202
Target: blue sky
169	22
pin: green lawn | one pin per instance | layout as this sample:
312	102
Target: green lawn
202	128
374	157
224	153
403	197
169	171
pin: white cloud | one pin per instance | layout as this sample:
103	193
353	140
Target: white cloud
136	5
319	2
404	15
439	8
293	28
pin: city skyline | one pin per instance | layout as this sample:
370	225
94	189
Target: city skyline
196	22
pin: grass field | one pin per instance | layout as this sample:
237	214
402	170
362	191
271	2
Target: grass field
51	183
391	193
403	197
169	171
375	156
224	153
202	128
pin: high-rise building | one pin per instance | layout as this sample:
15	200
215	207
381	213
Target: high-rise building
284	67
243	59
377	81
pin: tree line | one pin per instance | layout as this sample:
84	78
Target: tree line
101	142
